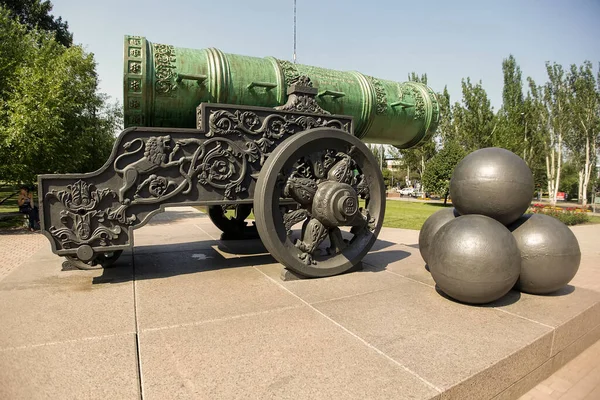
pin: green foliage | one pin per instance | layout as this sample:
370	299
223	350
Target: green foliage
35	14
474	118
446	128
439	169
52	120
387	177
570	179
583	138
416	158
511	117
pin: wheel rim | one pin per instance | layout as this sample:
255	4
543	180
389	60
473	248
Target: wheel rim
323	170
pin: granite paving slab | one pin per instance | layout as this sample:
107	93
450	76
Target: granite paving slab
279	354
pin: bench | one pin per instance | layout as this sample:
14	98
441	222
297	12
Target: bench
15	214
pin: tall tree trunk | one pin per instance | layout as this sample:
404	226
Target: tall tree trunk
549	178
587	170
551	174
422	172
558	166
580	184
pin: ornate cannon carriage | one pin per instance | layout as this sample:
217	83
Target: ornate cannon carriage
234	132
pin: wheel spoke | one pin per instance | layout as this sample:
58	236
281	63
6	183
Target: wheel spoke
325	172
338	243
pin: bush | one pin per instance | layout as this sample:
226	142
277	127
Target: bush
568	216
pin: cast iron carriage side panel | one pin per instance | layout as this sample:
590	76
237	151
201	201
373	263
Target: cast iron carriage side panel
151	168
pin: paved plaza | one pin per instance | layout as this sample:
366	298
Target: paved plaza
185	315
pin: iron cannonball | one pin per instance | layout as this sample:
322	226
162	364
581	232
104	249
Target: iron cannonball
475	259
493	182
550	253
431	226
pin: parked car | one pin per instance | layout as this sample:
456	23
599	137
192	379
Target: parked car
406	191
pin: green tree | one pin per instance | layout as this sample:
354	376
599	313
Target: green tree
52	120
446	128
511	117
35	14
583	137
439	169
474	118
556	115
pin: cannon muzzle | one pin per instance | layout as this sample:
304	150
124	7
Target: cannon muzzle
163	85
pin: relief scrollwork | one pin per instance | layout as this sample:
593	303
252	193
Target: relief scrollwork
290	73
218	163
164	66
418	100
83	218
303	98
380	97
269	129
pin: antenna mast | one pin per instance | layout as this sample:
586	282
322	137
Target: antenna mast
294	31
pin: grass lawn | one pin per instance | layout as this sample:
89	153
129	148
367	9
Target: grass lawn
406	214
409	214
398	214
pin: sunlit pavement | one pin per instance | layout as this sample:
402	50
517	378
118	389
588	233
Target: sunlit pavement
186	315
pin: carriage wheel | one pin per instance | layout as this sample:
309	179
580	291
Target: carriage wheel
102	260
236	226
325	171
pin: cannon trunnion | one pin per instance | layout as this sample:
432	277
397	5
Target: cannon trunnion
316	190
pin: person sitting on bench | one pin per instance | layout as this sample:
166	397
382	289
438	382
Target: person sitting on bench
26	206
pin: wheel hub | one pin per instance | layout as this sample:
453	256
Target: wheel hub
335	204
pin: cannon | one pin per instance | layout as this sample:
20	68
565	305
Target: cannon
225	131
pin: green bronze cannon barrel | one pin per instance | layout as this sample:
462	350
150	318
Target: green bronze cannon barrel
164	84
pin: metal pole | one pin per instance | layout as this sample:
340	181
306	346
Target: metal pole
294	31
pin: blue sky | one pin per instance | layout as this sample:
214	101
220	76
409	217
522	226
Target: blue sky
448	40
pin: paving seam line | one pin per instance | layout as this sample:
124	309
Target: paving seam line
410	279
369	345
208	321
353	295
33	346
525	318
138	354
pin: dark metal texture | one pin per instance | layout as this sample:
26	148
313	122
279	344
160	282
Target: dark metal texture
493	182
324	171
431	226
234	227
474	259
87	215
550	253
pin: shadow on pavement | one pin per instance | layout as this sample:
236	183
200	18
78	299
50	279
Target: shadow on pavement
163	261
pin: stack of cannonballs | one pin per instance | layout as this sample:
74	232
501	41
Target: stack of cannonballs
485	246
